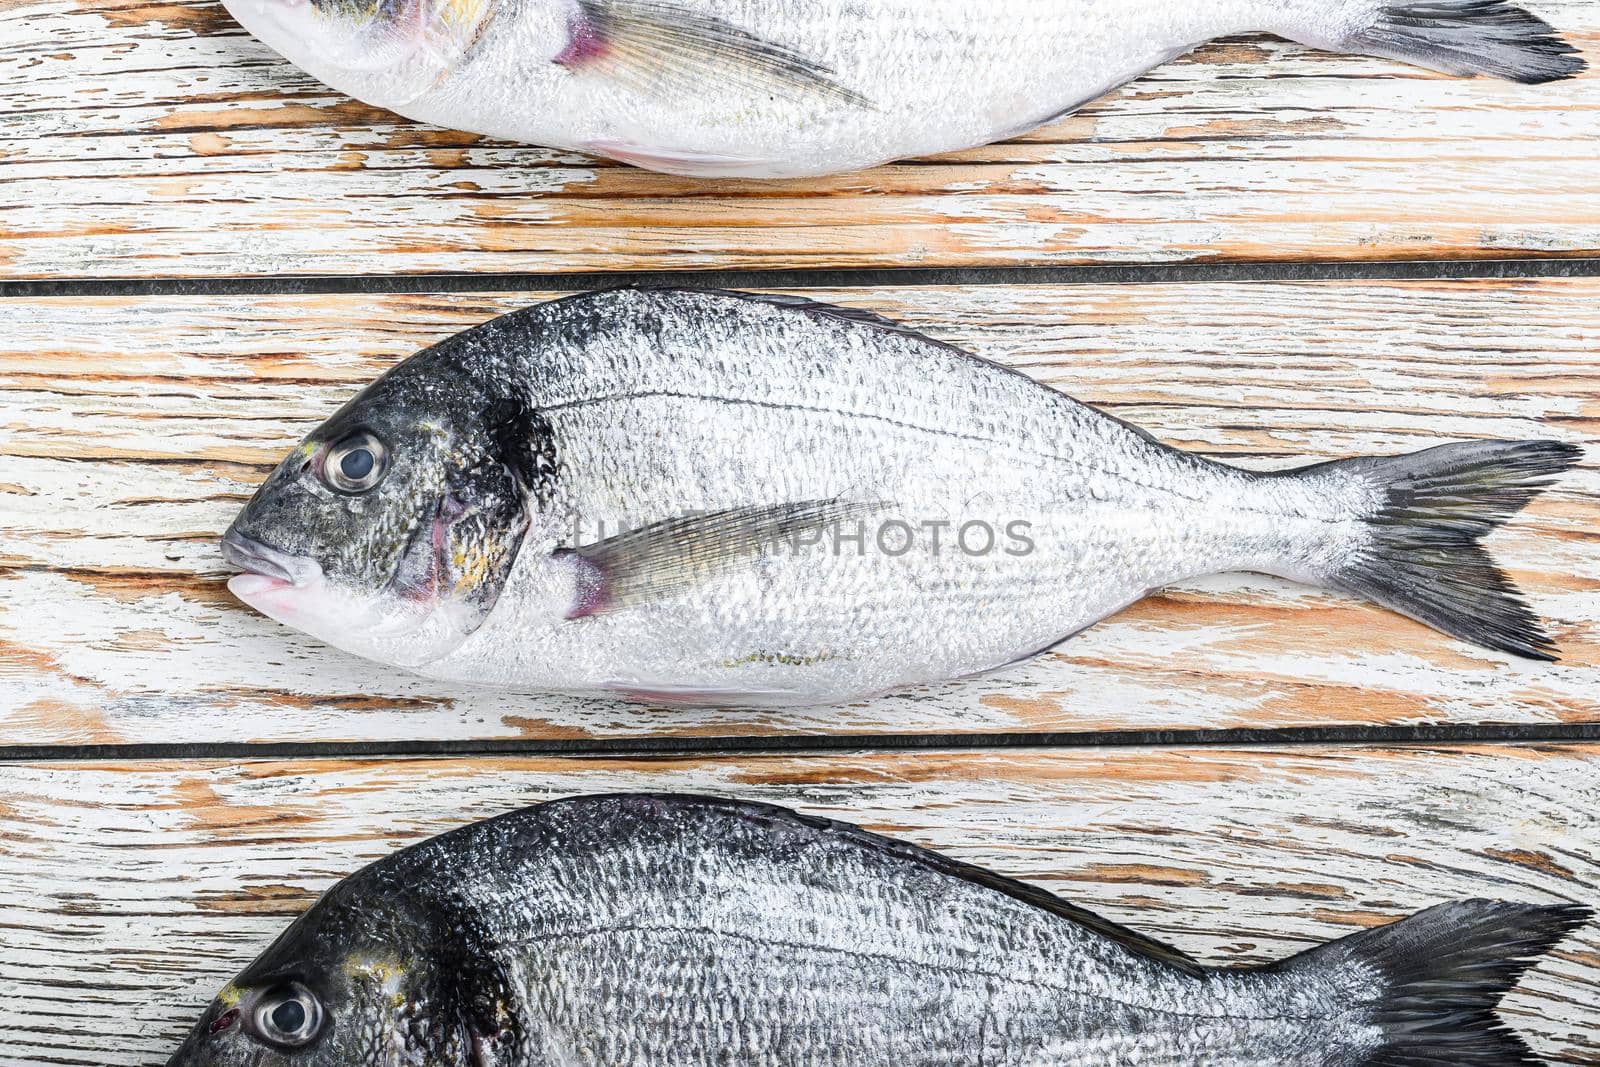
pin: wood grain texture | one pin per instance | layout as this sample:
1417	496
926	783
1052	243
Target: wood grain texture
153	137
131	430
132	892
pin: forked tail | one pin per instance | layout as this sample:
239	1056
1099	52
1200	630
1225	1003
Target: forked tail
1419	547
1438	977
1454	36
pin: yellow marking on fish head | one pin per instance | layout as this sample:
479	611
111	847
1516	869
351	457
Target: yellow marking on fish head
387	973
387	969
229	996
460	14
473	565
437	432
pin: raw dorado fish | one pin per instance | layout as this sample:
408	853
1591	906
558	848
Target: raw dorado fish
659	931
707	497
776	88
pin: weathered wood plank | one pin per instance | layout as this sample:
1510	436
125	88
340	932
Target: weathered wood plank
132	429
131	892
148	137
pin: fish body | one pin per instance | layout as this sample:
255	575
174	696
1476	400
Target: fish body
709	497
778	88
670	931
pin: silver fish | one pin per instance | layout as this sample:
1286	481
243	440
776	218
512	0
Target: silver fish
708	497
669	931
779	88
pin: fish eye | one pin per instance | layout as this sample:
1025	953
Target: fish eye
356	463
288	1016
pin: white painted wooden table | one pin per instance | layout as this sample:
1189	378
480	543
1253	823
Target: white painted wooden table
202	253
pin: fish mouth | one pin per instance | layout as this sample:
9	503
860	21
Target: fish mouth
265	568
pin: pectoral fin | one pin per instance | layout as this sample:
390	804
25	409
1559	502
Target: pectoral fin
666	558
658	45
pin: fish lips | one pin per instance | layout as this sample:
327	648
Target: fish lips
295	591
265	568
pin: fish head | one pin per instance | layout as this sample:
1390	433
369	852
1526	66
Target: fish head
385	52
352	981
391	530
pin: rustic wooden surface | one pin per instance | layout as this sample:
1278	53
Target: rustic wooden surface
132	891
150	143
152	137
134	428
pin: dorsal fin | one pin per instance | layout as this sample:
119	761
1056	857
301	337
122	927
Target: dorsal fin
859	316
855	316
871	318
901	850
1021	891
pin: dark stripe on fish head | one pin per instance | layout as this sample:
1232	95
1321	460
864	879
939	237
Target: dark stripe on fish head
356	979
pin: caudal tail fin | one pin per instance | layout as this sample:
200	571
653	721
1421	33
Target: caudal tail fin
1439	976
1420	552
1460	37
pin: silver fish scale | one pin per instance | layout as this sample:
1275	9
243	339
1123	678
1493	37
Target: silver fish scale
667	403
673	934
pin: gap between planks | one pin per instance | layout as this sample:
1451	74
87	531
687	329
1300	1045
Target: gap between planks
645	748
866	278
